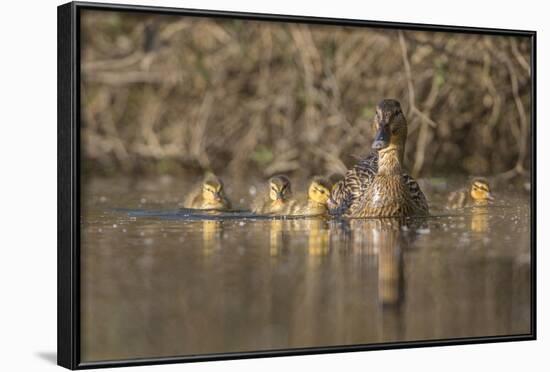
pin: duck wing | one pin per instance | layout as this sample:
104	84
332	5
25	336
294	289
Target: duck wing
194	199
356	181
260	204
416	194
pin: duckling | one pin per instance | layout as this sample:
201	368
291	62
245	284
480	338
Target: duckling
318	194
209	195
377	186
279	201
478	194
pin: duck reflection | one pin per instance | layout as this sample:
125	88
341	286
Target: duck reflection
389	243
382	243
316	228
480	219
277	237
212	231
318	237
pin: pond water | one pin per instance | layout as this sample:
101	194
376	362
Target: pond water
157	282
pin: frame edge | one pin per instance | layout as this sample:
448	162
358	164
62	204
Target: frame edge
66	291
68	329
278	17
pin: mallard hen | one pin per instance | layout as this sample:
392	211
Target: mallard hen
377	186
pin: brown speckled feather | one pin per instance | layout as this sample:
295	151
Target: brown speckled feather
269	207
356	181
417	196
352	195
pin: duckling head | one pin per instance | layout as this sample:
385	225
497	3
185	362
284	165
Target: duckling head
212	189
390	127
279	188
319	190
480	190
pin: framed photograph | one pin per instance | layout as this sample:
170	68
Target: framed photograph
236	185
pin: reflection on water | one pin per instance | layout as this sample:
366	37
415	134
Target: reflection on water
318	237
480	219
211	236
156	282
276	237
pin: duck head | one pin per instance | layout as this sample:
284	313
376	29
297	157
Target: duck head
212	189
390	127
319	190
279	188
480	190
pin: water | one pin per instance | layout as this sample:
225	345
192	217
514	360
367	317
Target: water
157	283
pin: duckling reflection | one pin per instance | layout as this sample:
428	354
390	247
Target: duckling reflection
278	240
480	219
318	237
212	231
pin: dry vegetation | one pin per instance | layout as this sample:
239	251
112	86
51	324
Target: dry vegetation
164	94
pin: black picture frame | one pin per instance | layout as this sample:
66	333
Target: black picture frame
68	250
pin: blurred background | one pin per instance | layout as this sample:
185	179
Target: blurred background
172	95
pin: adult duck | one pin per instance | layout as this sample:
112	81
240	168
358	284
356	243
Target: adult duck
377	186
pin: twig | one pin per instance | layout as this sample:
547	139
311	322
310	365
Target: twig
521	60
425	119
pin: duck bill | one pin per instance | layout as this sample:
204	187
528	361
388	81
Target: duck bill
382	137
490	197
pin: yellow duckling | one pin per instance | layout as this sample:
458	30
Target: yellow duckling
279	200
479	194
318	194
209	195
